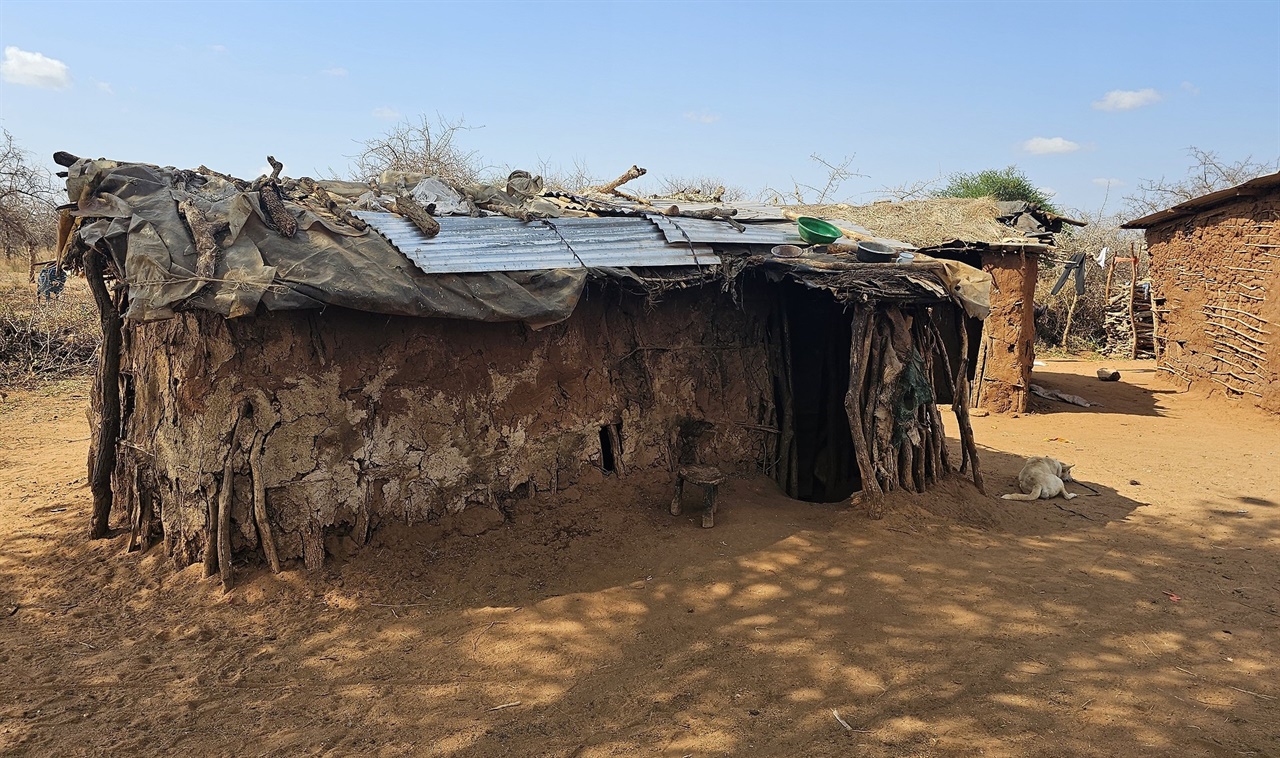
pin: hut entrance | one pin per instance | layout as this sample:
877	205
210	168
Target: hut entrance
819	338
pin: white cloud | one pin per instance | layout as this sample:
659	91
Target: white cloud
1049	192
1103	182
105	87
386	114
702	117
1126	99
336	71
1049	145
218	48
34	70
1189	87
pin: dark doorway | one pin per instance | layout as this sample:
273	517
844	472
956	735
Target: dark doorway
818	335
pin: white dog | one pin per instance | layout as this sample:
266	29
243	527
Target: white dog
1043	478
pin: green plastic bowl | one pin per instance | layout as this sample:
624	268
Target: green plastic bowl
815	231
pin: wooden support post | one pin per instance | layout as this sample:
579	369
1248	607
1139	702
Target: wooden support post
210	557
224	520
265	535
1133	294
108	388
961	409
859	360
1111	272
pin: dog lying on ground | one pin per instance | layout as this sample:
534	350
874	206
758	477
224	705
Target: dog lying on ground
1043	478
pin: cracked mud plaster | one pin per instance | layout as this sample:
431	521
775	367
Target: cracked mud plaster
1009	333
369	420
1218	272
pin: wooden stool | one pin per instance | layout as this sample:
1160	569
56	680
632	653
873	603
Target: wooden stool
707	477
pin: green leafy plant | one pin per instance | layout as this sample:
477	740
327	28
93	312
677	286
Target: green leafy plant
1004	184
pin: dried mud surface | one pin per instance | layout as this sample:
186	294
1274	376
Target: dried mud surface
1141	622
1218	272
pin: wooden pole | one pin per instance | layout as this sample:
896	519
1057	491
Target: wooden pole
1133	294
635	172
104	458
265	535
1111	271
1071	313
859	357
961	408
224	521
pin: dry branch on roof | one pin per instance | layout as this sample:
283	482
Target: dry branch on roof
421	217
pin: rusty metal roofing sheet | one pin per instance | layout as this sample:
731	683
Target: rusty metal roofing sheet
498	243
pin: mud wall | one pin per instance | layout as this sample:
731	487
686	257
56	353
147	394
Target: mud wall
362	420
1003	377
1218	274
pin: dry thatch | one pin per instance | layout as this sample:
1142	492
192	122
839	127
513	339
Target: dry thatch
923	223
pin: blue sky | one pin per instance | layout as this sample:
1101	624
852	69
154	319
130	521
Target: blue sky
742	91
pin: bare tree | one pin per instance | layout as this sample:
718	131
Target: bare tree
28	218
713	188
579	178
800	194
1208	173
920	189
426	147
1079	323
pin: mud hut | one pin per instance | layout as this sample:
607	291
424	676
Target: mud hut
287	369
1215	269
1004	239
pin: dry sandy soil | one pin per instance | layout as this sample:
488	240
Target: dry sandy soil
1141	622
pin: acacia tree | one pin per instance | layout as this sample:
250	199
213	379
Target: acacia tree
1207	173
28	216
1005	184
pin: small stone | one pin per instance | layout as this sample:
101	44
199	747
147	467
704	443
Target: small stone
1134	482
979	412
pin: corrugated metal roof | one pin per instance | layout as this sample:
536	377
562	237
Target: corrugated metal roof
498	243
696	230
745	211
764	234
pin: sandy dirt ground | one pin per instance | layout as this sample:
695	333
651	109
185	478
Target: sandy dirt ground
1144	621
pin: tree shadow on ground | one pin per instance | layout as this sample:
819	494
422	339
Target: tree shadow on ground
1094	507
600	625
